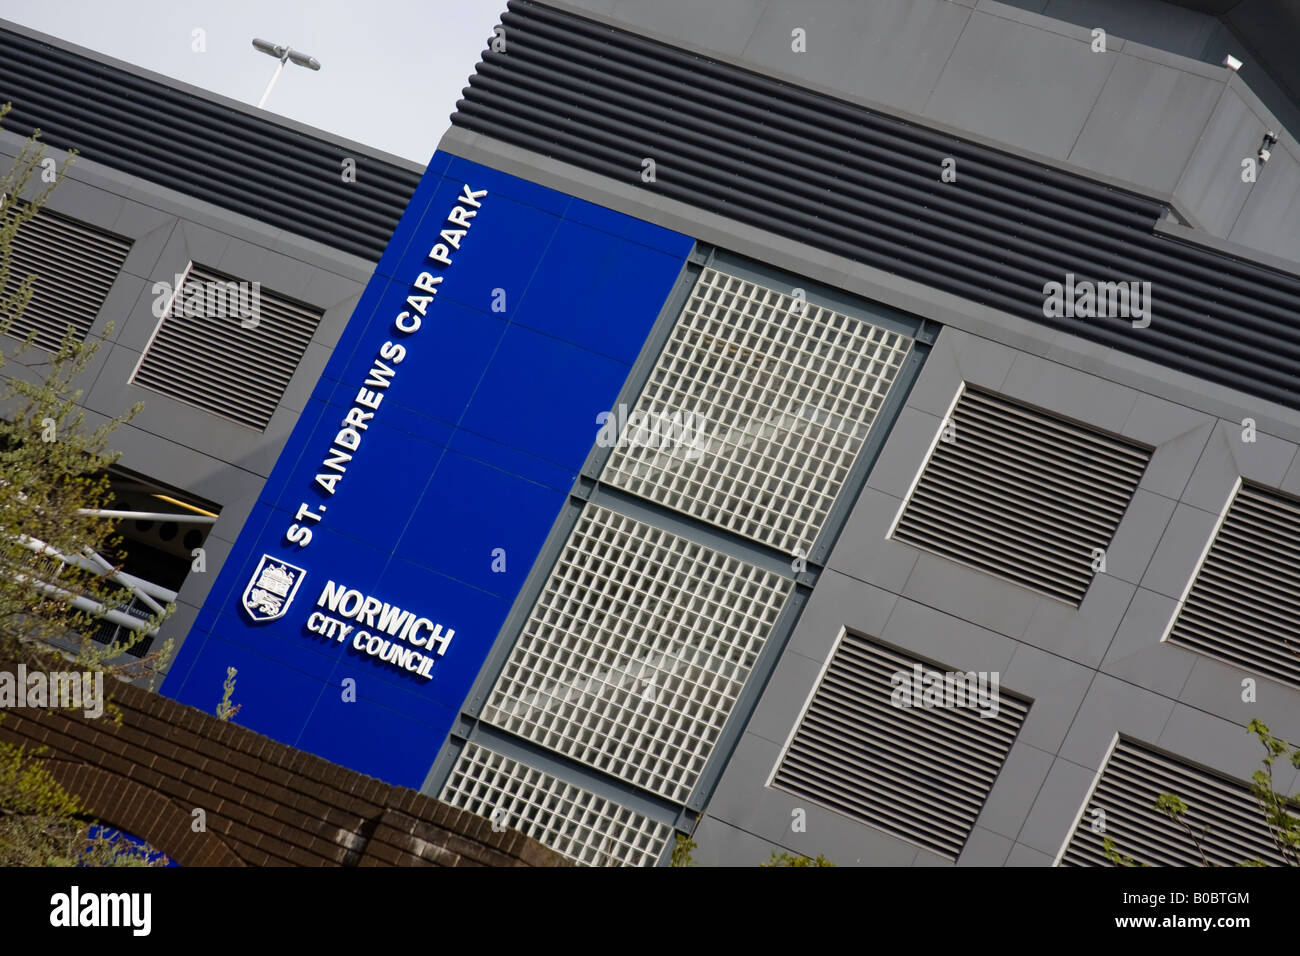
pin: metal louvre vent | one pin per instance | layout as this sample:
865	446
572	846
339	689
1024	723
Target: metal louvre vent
1022	495
1244	605
75	264
211	361
1133	777
636	651
920	773
203	146
768	402
571	821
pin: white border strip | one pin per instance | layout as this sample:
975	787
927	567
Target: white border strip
916	479
1087	798
803	711
158	328
1200	562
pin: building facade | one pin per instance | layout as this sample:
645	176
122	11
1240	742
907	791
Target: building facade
177	190
772	424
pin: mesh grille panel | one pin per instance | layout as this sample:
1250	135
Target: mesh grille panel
779	403
636	651
75	265
919	773
212	362
571	821
1134	776
1244	606
1022	495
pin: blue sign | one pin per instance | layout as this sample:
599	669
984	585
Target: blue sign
438	447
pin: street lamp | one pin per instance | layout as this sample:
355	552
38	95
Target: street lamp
284	54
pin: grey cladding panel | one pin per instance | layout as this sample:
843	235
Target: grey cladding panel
1211	185
1037	98
1167	26
888	51
1268	218
857	183
1146	122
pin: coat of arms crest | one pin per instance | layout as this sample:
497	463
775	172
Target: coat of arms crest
271	589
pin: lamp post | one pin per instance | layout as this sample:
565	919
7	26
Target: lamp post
284	54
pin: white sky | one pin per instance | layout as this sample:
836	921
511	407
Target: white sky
391	70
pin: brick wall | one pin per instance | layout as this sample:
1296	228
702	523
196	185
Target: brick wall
265	803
